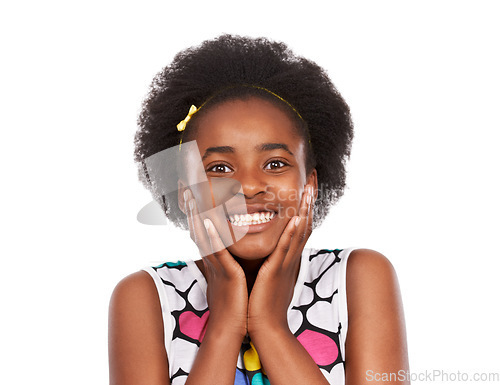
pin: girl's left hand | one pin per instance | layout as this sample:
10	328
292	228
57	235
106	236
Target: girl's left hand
274	286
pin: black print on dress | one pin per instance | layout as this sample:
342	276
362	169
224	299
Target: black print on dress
179	373
190	324
325	251
322	345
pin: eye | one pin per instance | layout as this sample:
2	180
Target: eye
219	169
275	165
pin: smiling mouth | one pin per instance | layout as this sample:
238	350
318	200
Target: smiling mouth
251	219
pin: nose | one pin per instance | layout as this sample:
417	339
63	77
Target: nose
252	184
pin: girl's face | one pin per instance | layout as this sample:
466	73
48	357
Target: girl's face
255	143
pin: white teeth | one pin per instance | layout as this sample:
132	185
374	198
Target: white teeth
251	219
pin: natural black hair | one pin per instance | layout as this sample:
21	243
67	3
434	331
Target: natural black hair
233	67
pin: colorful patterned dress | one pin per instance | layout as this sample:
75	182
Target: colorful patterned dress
317	316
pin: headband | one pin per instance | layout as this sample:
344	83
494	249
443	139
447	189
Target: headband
193	109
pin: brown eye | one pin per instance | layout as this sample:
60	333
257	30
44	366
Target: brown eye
274	165
219	168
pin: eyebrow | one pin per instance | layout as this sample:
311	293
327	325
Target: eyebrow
219	150
273	146
260	148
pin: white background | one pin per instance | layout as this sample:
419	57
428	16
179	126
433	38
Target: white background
422	81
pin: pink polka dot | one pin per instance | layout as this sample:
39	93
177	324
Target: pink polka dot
321	348
192	325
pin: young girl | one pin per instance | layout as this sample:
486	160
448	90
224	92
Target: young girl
261	137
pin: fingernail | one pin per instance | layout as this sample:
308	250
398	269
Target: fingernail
308	198
297	221
206	222
186	195
191	204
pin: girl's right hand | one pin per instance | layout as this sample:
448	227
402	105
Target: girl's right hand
227	294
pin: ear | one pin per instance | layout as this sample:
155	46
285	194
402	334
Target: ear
181	188
312	180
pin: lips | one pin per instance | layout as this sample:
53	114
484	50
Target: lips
255	218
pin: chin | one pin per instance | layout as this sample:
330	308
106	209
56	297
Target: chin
248	249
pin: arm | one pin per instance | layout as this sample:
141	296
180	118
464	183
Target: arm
216	360
136	349
136	340
376	338
283	357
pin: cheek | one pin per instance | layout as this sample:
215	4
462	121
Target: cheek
289	200
202	195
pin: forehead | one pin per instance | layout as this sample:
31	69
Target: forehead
246	123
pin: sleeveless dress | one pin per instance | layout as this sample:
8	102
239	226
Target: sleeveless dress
317	316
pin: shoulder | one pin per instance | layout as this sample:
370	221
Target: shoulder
371	282
370	267
135	298
136	337
135	289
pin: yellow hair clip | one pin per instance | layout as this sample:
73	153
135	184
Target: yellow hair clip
182	124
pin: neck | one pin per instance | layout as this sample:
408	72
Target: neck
251	269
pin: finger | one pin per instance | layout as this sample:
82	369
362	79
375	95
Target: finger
310	212
304	228
305	201
188	214
284	246
304	208
279	254
216	244
222	255
199	233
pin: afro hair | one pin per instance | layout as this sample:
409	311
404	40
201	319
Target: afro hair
219	70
